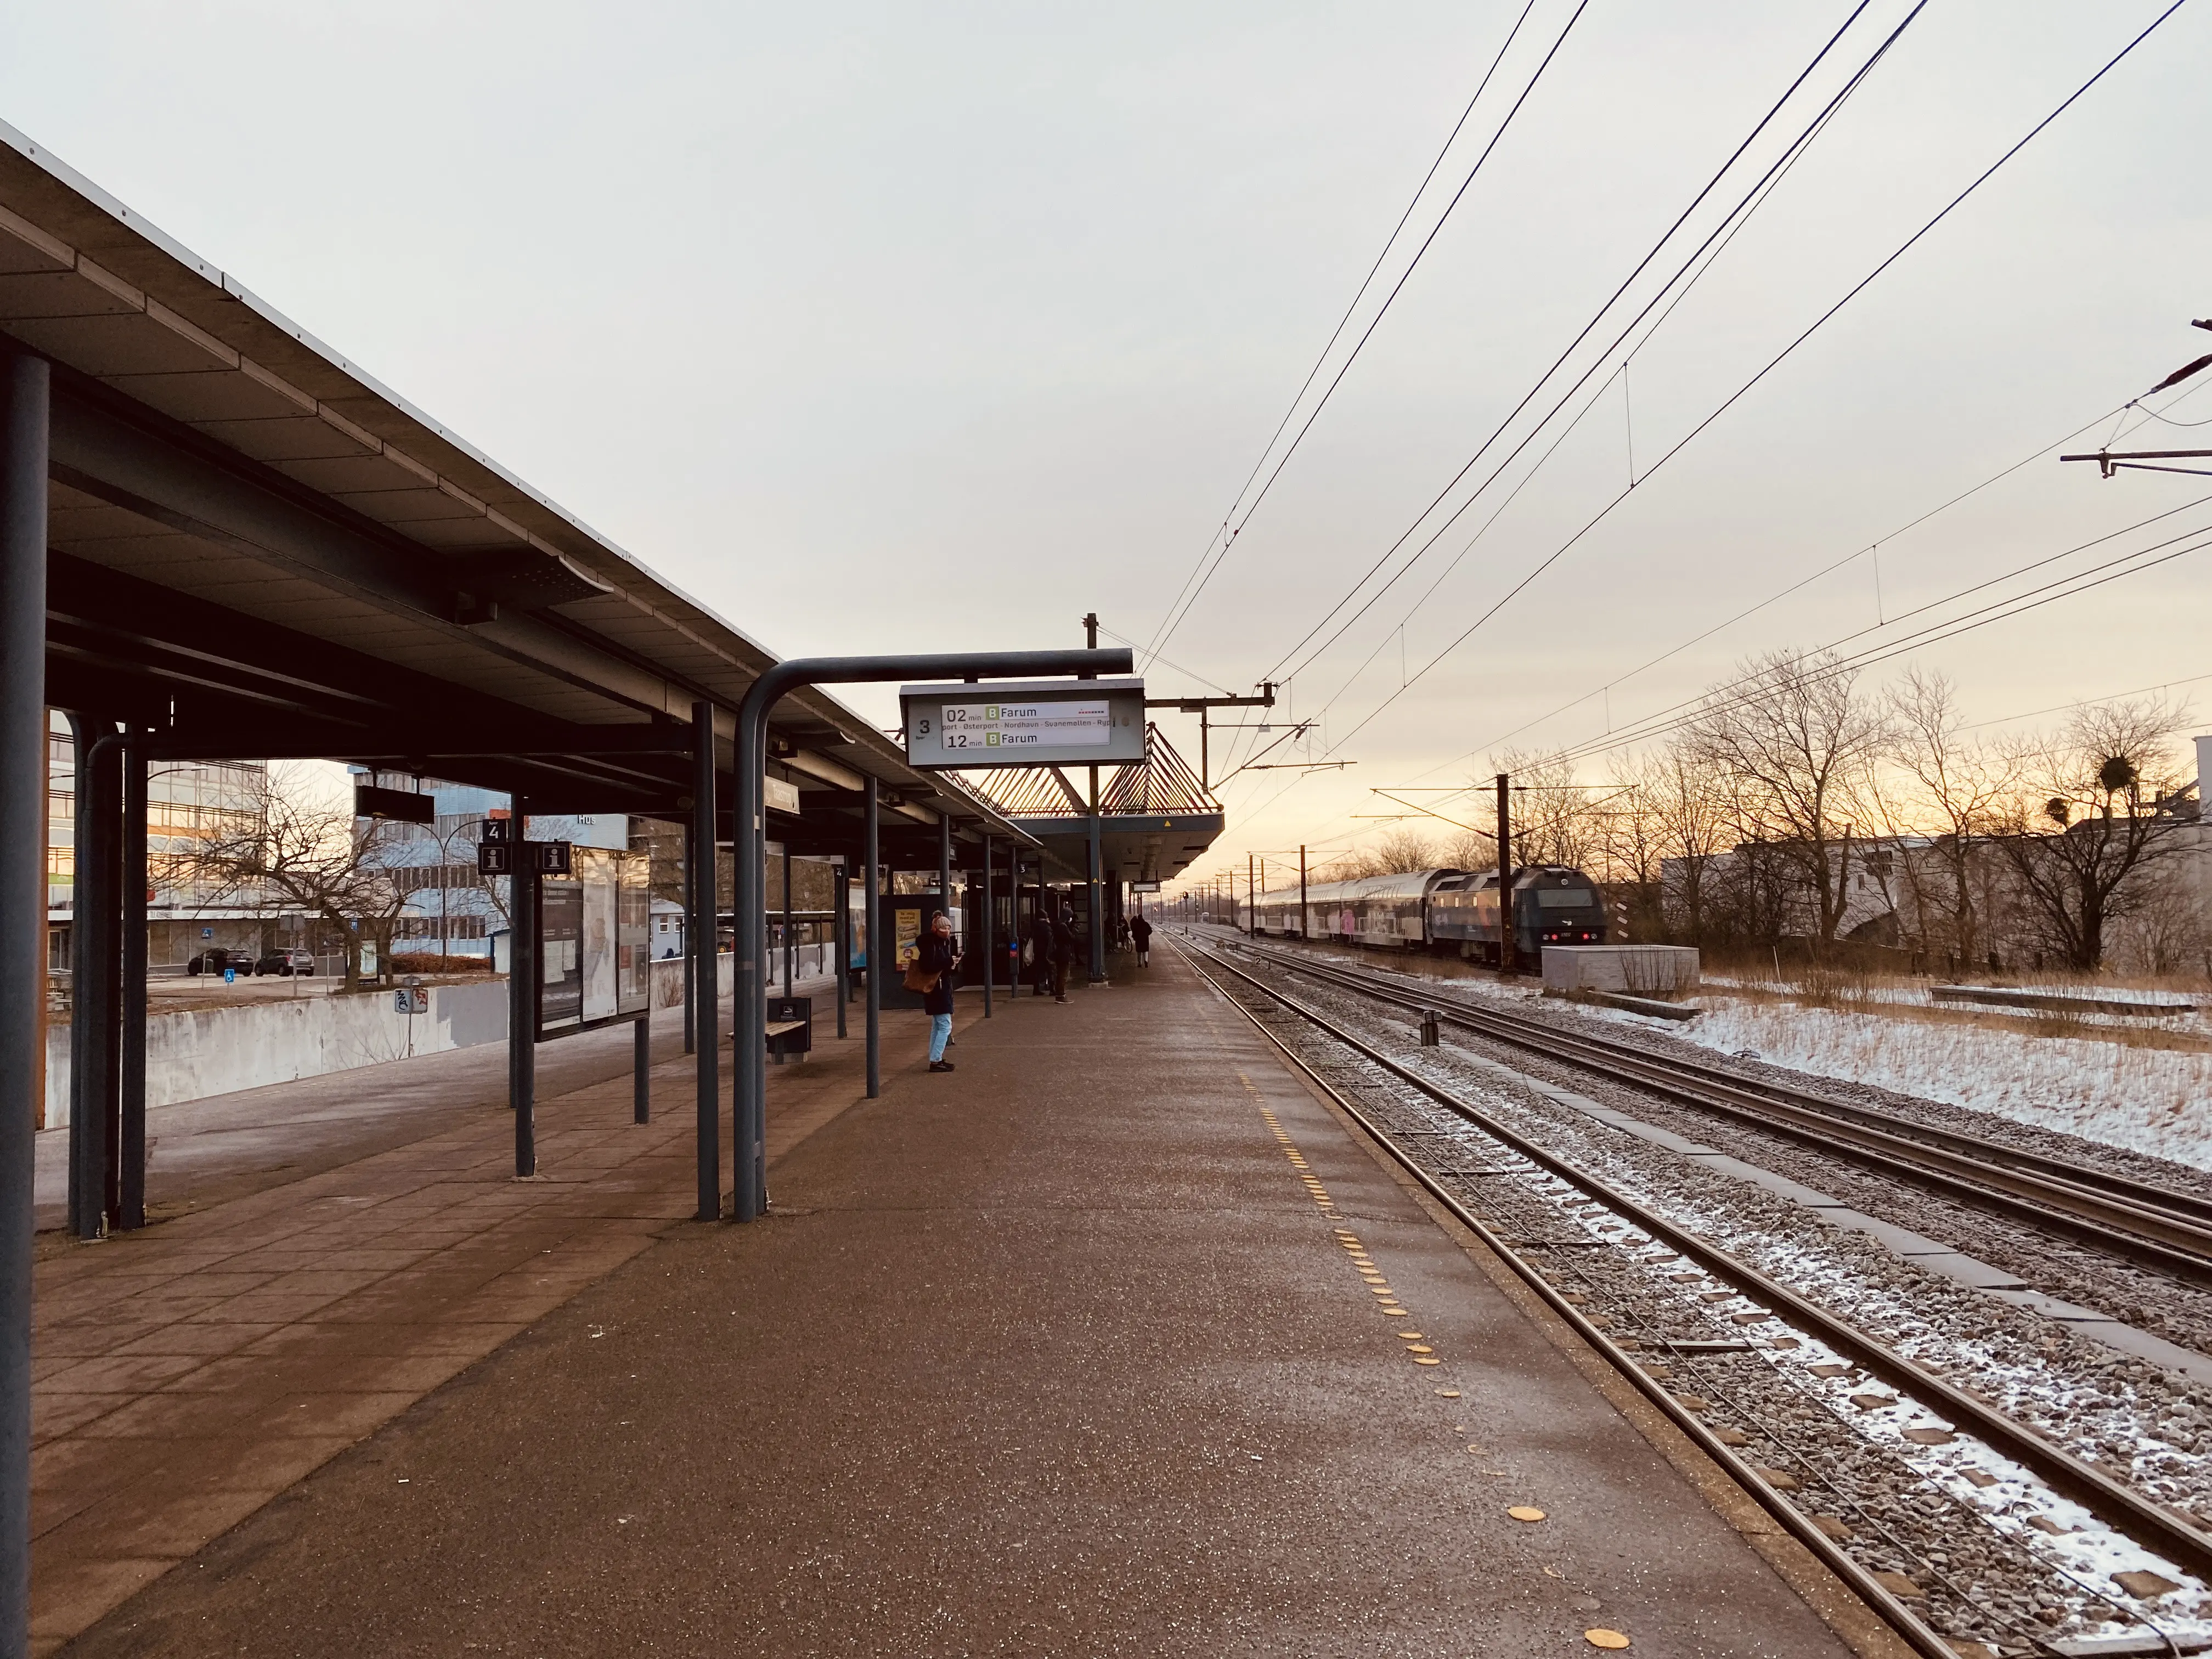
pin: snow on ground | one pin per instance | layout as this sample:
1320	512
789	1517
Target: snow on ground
2153	1100
2157	1101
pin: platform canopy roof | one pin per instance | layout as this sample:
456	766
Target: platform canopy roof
258	551
1155	815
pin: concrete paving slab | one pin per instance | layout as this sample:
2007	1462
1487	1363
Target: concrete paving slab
1070	1351
194	1371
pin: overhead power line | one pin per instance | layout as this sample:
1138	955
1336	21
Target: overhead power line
1596	317
1772	363
1337	333
1229	537
1738	215
2082	581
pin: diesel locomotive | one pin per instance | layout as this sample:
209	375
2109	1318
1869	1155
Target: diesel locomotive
1446	912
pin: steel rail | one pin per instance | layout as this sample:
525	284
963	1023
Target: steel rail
2116	1504
1878	1598
2140	1232
2146	1195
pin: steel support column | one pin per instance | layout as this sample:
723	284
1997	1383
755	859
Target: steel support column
1097	916
640	1085
130	1005
24	422
94	981
873	814
700	931
790	950
841	937
989	959
690	949
945	880
522	991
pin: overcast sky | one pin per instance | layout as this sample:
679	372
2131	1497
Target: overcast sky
900	327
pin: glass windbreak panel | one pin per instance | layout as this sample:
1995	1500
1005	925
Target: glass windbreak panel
560	947
1565	898
634	974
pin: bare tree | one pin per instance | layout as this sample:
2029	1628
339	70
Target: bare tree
1798	742
1681	805
1401	851
1955	785
294	850
1397	851
1553	821
1471	849
2088	837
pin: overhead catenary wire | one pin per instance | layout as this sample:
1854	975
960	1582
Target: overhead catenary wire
1724	232
1997	611
1757	200
1662	720
1968	592
1597	319
1176	618
2087	702
1337	333
1773	362
1665	721
1827	569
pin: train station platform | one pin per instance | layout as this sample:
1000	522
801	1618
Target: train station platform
1063	1353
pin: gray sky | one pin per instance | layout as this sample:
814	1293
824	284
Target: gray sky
896	326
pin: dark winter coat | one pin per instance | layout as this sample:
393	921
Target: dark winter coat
935	956
1141	931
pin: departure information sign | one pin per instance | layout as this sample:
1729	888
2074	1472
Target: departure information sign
1026	725
1057	722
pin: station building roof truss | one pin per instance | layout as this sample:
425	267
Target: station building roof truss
1155	816
258	551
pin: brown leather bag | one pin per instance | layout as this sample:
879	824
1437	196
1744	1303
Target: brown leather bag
919	978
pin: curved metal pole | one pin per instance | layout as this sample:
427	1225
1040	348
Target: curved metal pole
749	1104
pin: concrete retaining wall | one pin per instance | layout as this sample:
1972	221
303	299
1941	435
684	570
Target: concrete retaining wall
216	1051
1642	970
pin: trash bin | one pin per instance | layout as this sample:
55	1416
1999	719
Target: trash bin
799	1038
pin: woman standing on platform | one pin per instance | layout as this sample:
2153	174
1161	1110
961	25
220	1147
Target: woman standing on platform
934	963
1141	931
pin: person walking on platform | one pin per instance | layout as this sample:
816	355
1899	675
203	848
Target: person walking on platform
931	975
1141	932
1063	952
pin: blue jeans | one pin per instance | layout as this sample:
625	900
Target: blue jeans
940	1029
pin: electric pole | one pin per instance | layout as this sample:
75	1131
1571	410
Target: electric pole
1505	909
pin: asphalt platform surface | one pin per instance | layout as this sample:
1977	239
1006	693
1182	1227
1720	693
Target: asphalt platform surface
1063	1353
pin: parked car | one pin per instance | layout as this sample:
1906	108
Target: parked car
216	957
286	963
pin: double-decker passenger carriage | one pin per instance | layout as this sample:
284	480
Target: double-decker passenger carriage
1442	910
1553	904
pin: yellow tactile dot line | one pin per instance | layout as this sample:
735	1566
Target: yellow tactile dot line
1378	1283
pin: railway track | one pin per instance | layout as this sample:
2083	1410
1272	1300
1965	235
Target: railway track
2127	1511
2153	1226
